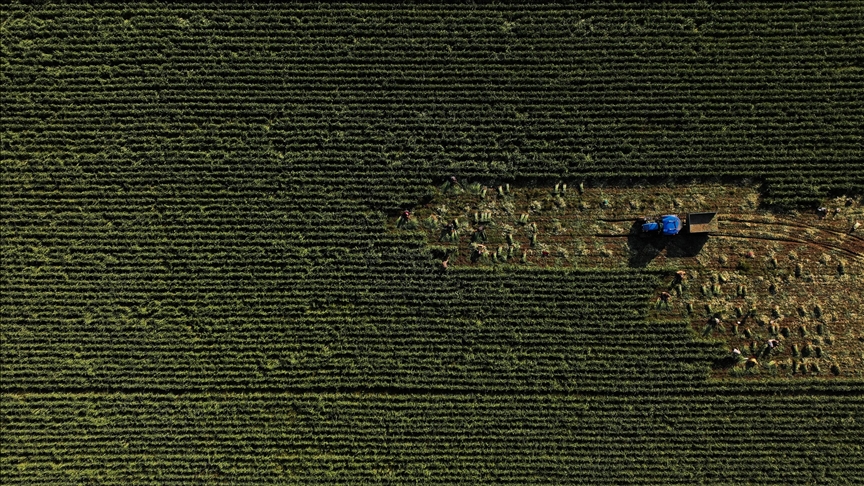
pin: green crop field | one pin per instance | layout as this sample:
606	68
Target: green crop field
205	281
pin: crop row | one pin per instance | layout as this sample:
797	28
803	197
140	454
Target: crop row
326	438
465	330
374	102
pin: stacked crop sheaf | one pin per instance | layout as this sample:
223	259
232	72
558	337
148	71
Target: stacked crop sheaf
193	211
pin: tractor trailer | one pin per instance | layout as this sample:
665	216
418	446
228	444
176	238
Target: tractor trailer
671	225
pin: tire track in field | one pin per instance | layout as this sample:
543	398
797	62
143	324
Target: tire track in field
849	244
825	246
846	243
844	234
790	240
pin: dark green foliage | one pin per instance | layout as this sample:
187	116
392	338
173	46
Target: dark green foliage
345	438
344	331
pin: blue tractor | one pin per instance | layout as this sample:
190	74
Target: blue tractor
668	225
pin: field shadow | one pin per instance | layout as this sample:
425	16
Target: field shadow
644	249
686	245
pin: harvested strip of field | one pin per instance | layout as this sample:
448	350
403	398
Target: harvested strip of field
781	291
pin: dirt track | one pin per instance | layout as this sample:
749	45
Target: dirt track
849	244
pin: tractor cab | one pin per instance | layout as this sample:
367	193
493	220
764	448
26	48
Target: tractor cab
671	224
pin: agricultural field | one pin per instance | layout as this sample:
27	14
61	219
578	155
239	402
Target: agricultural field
208	276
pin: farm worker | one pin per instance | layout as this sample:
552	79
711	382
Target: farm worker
773	343
479	234
736	351
449	230
403	218
664	300
451	183
480	250
444	263
855	226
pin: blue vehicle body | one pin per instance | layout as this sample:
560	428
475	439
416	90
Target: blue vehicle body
671	225
649	227
668	225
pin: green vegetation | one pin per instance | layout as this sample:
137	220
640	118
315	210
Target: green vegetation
325	438
202	282
416	330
